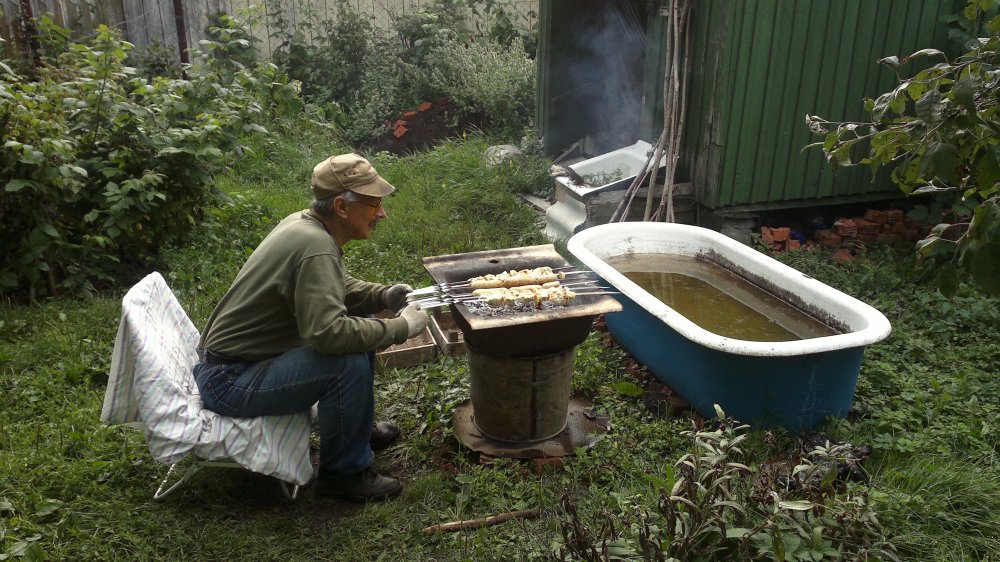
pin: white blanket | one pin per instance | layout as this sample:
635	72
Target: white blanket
151	383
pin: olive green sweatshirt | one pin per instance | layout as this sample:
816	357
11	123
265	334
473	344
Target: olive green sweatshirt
293	292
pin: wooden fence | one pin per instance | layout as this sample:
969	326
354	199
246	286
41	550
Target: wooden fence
180	24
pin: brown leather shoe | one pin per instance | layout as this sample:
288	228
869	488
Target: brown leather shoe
383	435
365	486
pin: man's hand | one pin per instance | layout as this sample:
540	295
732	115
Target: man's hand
395	296
416	319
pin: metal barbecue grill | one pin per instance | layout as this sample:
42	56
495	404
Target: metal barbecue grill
520	365
518	335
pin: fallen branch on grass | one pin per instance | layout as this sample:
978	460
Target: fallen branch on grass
484	522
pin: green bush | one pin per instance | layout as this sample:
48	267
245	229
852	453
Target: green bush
101	168
937	133
328	57
360	76
486	76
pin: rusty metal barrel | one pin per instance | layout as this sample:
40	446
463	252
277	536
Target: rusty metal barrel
521	399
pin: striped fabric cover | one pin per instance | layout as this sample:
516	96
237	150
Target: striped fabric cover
151	386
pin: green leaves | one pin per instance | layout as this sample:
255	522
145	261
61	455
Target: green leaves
627	388
17	185
87	144
964	94
983	247
941	160
938	132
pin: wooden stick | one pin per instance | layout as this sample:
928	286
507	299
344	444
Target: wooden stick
484	522
621	212
680	38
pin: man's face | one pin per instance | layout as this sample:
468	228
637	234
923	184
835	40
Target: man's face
363	215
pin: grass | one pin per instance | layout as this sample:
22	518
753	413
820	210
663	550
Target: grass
74	489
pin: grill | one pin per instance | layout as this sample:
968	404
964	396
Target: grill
520	365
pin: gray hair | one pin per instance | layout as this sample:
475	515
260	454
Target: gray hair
324	207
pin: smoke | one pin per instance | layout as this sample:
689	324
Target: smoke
605	72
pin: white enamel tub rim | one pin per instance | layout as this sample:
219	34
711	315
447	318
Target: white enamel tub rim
867	325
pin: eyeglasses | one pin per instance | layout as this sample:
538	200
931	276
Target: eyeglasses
374	207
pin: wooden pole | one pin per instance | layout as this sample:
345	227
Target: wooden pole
30	31
182	45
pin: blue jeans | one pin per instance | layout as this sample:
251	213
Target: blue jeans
291	383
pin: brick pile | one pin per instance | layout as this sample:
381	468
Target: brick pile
847	234
875	227
402	126
779	238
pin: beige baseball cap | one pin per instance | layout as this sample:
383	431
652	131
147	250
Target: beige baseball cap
348	172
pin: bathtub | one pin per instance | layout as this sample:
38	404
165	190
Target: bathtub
792	384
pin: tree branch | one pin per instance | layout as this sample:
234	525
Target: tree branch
484	522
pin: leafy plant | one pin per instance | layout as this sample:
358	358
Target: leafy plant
101	168
712	505
937	130
154	61
361	76
496	19
486	76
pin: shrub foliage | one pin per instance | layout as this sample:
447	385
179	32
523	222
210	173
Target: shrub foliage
362	76
937	132
101	167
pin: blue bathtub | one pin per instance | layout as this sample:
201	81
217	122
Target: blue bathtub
793	384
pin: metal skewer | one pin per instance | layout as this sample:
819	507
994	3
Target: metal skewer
448	288
458	284
435	302
426	295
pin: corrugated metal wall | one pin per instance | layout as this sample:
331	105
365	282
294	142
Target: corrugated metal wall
759	66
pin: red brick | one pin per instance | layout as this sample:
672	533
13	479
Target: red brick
898	227
546	464
781	234
409	114
866	226
778	247
765	235
794	244
842	255
845	227
893	216
399	123
875	215
424	106
400	132
828	239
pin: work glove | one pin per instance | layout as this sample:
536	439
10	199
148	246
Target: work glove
416	319
395	296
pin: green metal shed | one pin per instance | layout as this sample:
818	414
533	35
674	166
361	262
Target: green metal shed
758	67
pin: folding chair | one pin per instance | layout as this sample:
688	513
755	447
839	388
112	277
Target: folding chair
151	387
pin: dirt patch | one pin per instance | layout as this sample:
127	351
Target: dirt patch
424	126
